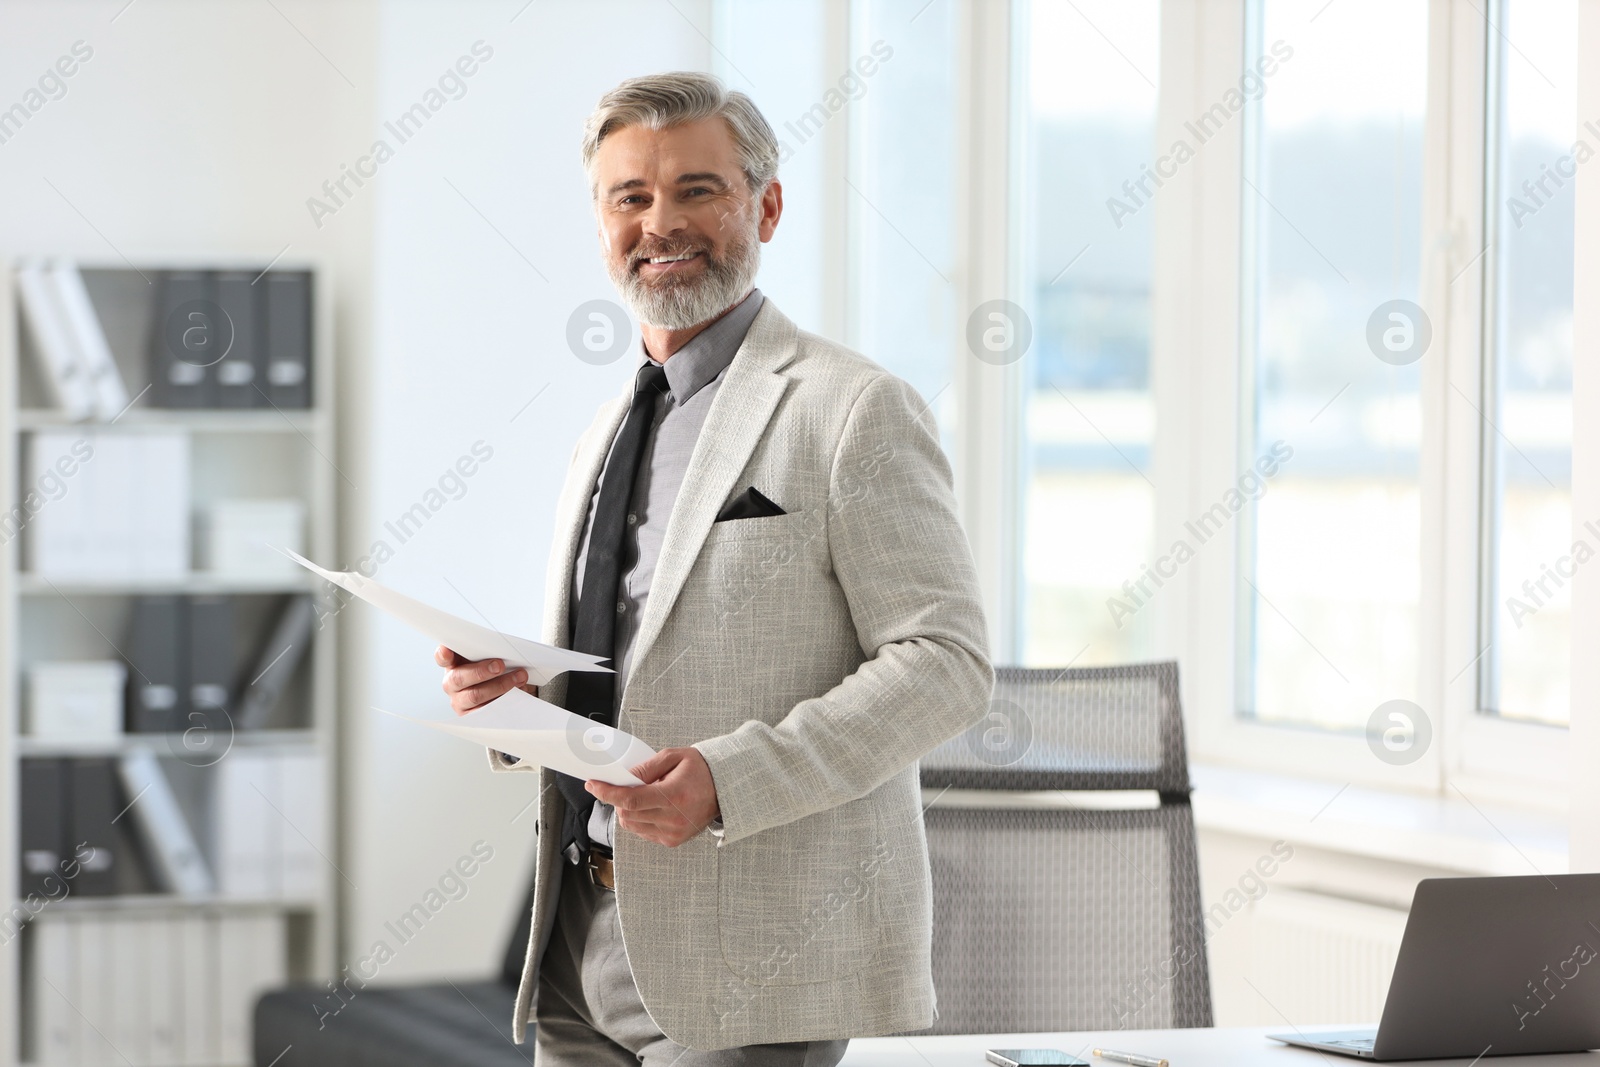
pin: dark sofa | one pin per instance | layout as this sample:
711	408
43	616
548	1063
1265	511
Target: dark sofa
449	1024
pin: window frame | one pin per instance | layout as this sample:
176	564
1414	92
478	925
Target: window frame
1195	368
1491	752
1473	754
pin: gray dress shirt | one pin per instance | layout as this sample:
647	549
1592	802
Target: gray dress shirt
694	373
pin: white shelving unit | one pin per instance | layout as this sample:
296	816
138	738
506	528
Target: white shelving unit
248	452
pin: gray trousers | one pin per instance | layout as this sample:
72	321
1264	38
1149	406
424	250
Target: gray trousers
588	1010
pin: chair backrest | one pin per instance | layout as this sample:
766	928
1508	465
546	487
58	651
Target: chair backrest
1055	915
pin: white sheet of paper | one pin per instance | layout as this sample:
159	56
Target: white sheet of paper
522	725
542	662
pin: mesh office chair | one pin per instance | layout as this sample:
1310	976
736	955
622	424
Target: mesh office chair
1067	918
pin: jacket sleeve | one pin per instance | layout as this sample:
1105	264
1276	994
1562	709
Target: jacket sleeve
499	761
906	570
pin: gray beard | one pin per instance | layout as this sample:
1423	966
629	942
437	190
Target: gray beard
680	305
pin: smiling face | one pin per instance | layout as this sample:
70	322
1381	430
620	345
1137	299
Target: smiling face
680	229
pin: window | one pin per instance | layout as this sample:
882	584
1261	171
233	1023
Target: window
1329	562
1312	329
899	193
1088	73
1527	383
776	52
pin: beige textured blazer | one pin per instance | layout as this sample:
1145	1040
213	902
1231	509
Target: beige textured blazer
812	658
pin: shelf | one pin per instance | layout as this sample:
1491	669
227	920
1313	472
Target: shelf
198	582
161	743
168	902
246	420
257	453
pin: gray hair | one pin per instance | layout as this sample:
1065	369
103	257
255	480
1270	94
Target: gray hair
660	101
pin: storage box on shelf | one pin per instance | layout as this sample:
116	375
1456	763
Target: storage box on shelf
168	851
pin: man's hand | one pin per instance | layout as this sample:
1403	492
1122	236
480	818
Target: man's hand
473	683
677	801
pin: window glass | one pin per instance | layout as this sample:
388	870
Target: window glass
1331	336
901	80
1087	75
1527	456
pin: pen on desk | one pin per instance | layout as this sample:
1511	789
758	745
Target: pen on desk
1130	1058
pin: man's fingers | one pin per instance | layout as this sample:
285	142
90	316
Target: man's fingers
646	801
638	823
644	827
471	684
618	796
657	766
482	694
626	797
473	674
663	831
470	674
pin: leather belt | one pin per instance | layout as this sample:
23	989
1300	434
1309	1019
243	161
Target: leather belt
598	863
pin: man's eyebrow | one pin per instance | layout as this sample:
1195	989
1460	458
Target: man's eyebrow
707	177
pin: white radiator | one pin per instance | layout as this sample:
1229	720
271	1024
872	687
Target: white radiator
1318	959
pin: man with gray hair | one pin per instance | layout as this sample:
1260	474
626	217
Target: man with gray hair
760	534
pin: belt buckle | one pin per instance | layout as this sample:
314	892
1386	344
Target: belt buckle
601	872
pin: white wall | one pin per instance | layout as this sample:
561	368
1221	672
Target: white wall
203	128
466	332
194	128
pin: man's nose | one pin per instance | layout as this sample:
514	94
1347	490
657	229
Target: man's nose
664	218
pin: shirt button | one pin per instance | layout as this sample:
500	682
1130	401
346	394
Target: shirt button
632	518
622	607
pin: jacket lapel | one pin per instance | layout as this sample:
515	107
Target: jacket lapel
734	426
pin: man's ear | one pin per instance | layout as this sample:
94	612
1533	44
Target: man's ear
771	209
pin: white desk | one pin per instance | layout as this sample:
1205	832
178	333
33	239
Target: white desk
1241	1047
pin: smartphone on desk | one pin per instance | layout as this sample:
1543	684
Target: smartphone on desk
1024	1057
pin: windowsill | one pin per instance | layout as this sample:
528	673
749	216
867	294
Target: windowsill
1446	832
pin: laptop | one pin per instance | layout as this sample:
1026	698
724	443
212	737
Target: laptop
1487	967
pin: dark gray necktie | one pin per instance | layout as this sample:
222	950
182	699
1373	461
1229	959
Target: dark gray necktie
592	694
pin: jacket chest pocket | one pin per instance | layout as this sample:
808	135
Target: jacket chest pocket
746	557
